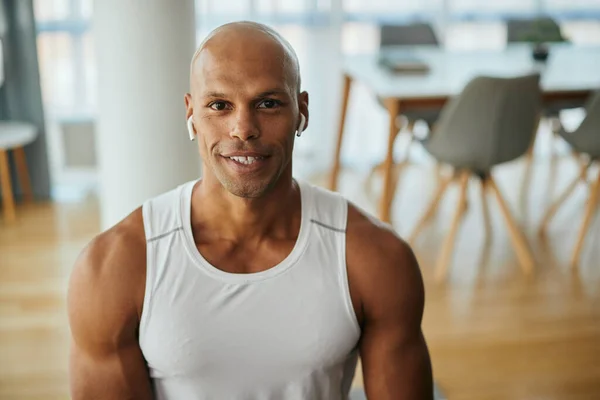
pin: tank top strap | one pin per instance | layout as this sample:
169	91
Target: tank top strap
163	214
328	209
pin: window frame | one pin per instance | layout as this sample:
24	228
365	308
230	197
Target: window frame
77	25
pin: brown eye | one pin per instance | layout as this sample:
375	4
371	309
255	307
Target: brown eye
218	105
268	103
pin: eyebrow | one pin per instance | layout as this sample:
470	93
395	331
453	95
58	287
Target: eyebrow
266	93
214	94
273	92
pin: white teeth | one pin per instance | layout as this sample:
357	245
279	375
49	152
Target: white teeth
246	160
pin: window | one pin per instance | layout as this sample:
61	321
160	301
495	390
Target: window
580	9
57	69
501	9
52	10
385	9
65	52
66	45
481	9
275	12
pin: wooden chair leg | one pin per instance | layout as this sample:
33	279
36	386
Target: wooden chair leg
448	245
484	204
517	237
398	167
590	210
431	209
8	201
580	160
369	181
23	173
380	169
561	199
531	148
411	126
335	170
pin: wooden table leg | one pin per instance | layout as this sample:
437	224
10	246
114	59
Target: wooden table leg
8	201
385	205
23	173
335	170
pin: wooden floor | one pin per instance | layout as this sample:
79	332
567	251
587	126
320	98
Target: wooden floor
492	333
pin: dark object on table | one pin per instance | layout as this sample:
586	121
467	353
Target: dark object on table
540	52
403	63
415	34
407	35
538	31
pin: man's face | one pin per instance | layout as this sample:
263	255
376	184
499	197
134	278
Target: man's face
245	115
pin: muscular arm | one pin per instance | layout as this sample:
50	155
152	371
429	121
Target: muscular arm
386	281
104	302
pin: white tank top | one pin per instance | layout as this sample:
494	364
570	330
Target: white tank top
287	333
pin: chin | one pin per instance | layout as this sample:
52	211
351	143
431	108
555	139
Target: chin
247	184
248	188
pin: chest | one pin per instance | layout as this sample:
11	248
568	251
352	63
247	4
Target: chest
287	325
244	258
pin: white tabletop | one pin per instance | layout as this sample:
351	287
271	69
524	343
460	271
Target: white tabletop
568	68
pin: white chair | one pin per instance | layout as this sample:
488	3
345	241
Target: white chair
15	136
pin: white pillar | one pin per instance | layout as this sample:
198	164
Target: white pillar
143	53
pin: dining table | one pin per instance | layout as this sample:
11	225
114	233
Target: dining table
407	78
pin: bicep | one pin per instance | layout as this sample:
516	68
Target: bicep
395	358
120	374
105	360
396	364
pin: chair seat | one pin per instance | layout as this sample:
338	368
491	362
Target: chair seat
585	144
16	134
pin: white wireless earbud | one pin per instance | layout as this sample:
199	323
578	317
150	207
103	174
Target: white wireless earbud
301	126
190	127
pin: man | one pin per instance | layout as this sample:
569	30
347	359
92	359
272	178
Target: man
247	284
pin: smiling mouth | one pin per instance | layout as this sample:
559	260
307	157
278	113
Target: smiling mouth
246	160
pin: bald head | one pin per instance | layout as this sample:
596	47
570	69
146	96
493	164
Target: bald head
245	99
247	42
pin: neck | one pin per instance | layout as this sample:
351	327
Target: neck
240	219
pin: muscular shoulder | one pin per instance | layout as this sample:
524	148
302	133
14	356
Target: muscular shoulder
382	268
370	239
107	284
124	243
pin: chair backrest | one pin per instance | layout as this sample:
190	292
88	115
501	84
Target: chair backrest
586	138
533	30
492	121
413	34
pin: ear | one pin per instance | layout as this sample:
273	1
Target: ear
189	106
190	116
303	107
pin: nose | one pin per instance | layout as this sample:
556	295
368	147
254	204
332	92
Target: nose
245	125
